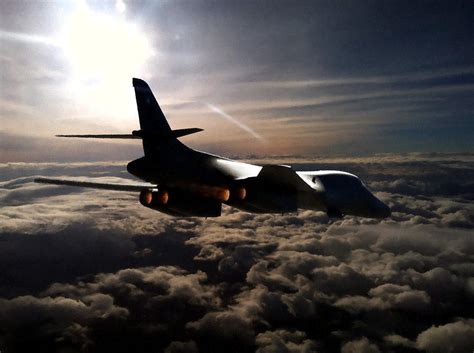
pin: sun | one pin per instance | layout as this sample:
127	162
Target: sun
104	45
104	52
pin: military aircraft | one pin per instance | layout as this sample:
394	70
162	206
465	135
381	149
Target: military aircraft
185	182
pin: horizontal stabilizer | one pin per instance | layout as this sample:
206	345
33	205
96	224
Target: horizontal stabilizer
184	132
165	134
88	184
139	134
104	136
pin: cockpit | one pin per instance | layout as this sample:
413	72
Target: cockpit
347	194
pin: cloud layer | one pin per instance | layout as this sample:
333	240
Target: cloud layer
90	270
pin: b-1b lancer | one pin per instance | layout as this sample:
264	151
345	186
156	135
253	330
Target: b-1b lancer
185	182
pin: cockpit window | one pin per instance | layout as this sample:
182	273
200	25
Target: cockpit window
338	181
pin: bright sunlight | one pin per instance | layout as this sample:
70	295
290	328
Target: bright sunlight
105	51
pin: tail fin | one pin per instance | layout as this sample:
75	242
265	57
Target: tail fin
155	131
152	119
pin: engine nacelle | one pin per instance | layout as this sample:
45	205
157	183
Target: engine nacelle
179	203
261	199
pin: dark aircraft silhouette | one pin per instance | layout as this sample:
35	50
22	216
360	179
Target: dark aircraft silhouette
186	182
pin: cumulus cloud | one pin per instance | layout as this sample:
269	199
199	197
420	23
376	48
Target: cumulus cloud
362	345
453	337
280	341
182	347
25	309
398	341
223	331
387	296
77	264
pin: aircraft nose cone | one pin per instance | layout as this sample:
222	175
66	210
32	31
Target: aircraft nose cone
131	167
381	210
134	167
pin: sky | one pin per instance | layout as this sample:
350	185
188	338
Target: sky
261	77
93	271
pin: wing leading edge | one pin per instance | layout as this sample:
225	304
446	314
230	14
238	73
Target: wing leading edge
88	184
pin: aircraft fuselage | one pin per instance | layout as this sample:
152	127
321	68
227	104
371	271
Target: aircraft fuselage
203	174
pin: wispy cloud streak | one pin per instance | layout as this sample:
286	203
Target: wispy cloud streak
28	38
235	121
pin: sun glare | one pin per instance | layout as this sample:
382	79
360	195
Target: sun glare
103	45
105	51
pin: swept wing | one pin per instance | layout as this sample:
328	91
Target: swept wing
89	184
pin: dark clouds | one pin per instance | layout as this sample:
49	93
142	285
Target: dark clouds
91	270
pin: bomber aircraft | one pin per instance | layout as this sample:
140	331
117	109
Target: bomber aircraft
185	182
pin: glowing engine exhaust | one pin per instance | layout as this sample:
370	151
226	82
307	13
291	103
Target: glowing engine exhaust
148	197
239	193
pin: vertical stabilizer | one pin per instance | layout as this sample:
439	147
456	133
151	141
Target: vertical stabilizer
152	119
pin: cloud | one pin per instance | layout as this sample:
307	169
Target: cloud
399	341
182	347
86	262
170	285
284	341
455	336
160	300
223	330
27	309
362	345
387	296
